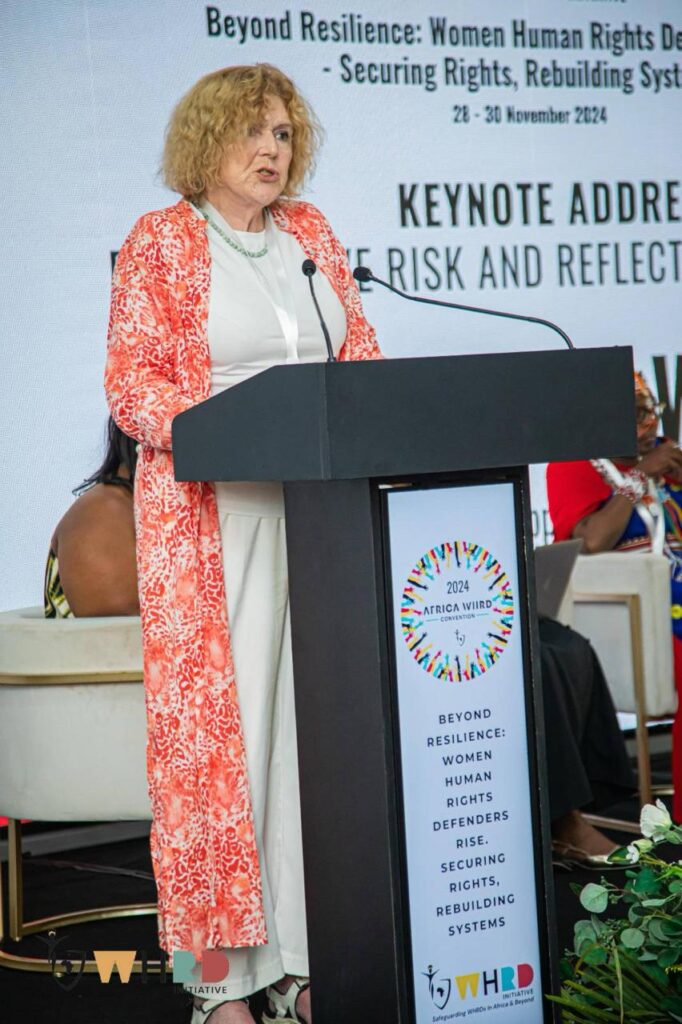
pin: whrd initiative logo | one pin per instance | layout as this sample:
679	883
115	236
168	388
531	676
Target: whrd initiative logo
492	982
68	965
457	611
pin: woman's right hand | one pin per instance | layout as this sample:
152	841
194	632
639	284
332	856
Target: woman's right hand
663	460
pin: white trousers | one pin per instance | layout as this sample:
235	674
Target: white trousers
255	563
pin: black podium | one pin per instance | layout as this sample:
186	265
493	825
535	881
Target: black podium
361	449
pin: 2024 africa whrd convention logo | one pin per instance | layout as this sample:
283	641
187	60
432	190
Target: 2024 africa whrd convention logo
457	611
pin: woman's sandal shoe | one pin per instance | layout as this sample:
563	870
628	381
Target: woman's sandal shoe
571	857
282	1005
201	1014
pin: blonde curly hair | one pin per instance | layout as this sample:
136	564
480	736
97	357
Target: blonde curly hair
218	111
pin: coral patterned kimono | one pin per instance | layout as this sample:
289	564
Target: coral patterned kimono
158	365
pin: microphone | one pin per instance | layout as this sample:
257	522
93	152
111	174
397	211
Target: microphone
365	274
309	268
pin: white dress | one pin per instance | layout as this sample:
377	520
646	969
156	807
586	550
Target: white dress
261	314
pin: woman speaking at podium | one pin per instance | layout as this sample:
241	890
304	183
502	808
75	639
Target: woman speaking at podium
206	294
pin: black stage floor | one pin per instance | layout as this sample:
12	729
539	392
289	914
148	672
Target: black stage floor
52	888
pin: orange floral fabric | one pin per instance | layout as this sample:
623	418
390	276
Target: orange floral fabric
158	365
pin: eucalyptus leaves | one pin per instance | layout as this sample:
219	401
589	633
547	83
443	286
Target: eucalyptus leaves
629	968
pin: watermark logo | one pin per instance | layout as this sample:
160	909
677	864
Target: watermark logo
68	965
212	969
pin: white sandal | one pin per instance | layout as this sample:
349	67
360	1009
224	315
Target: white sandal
200	1014
282	1005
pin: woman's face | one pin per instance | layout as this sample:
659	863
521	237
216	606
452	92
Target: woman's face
254	171
647	421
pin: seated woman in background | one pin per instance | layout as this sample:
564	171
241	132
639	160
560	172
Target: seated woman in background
91	565
587	764
630	504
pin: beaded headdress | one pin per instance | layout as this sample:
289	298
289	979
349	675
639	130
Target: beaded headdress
641	386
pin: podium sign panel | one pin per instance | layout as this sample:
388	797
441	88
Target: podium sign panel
459	677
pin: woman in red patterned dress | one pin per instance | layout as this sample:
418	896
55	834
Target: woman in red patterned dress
631	505
205	294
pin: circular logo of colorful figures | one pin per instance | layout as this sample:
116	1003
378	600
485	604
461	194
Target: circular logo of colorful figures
457	611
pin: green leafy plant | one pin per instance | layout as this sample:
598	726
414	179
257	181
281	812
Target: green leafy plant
629	967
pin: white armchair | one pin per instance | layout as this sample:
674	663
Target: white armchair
72	740
622	605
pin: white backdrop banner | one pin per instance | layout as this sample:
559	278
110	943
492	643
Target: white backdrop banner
523	156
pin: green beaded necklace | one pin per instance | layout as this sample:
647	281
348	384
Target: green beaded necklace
230	241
